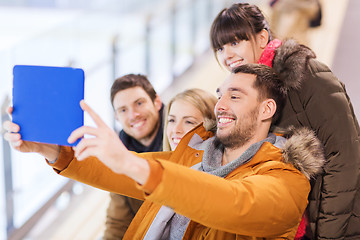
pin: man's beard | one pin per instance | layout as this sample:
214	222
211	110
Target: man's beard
242	133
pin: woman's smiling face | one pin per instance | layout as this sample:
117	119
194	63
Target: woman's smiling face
183	116
236	53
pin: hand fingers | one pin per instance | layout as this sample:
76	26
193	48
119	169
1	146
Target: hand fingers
90	151
84	144
80	132
98	121
9	110
14	139
11	127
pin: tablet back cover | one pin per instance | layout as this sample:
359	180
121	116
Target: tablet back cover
46	102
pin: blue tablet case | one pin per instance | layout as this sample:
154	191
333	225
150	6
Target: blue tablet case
46	102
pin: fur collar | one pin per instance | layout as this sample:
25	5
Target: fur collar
301	148
304	151
291	61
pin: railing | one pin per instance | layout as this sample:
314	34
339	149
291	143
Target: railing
8	182
12	232
185	24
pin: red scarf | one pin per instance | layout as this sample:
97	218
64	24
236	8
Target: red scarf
269	52
302	228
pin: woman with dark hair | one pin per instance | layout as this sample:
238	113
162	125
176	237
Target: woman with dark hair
316	99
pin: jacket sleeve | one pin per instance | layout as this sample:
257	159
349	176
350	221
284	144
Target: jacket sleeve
94	173
329	112
270	202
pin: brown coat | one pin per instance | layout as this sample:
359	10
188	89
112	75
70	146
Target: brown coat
318	100
120	213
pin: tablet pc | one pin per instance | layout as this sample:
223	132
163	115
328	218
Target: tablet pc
46	102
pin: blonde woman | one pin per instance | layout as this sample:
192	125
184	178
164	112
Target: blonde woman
185	111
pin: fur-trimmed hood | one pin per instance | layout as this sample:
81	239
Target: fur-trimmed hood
303	150
290	62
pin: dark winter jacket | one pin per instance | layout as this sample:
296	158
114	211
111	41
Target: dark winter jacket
318	100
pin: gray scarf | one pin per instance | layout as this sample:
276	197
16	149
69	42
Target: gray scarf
169	225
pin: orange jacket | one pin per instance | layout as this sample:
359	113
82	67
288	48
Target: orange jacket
264	198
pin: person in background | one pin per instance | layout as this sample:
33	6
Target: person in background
242	183
185	111
316	99
292	18
139	110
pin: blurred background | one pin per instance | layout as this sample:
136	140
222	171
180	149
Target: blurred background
167	40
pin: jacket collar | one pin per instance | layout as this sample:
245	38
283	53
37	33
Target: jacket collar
302	148
290	62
